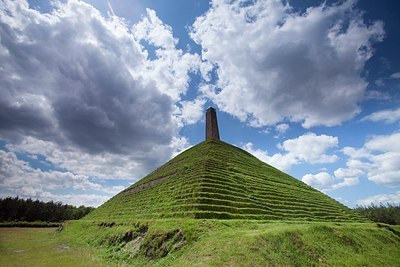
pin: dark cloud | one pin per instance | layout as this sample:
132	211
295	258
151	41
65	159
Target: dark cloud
23	119
80	79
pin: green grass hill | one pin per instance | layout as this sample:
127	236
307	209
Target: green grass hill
215	242
215	180
217	205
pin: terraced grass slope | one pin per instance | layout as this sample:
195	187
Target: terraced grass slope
216	180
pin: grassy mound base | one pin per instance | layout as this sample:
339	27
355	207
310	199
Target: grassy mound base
215	180
188	242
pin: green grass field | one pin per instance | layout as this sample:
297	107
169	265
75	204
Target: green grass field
43	247
217	205
189	242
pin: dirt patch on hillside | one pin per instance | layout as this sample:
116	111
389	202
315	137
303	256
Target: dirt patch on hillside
158	245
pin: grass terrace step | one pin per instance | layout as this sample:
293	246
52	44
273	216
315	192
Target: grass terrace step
215	180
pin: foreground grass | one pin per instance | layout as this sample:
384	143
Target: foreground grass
186	242
42	247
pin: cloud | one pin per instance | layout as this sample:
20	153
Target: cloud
192	111
395	75
171	67
379	159
308	148
281	129
282	162
384	143
88	200
312	148
92	100
387	116
343	173
153	30
382	198
273	63
94	88
376	94
101	165
326	182
18	177
100	102
321	179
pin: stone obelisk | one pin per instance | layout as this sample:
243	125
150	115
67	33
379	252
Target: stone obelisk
211	124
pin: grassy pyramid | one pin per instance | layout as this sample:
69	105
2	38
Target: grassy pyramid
215	180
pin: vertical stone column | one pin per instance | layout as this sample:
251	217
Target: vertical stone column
211	124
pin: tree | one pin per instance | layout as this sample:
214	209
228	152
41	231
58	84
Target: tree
18	209
386	213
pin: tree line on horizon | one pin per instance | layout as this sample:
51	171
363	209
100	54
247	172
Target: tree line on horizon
29	210
386	213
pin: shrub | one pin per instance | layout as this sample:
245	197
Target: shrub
388	213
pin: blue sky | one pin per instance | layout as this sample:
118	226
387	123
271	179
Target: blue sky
96	94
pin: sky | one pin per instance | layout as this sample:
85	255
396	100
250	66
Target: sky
94	95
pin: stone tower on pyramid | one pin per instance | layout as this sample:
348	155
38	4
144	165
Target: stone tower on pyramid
211	124
216	180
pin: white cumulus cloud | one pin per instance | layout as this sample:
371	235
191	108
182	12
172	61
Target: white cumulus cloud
273	63
388	116
393	199
395	75
326	182
307	148
312	148
379	159
319	179
282	128
21	179
192	111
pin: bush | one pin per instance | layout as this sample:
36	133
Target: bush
388	213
